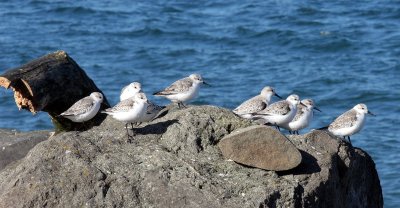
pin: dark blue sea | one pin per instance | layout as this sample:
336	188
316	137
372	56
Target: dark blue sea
337	53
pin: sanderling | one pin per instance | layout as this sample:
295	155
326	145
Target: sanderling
152	109
182	90
130	90
303	116
349	122
281	112
85	108
256	103
129	110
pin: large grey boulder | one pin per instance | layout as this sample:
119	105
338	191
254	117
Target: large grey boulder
174	161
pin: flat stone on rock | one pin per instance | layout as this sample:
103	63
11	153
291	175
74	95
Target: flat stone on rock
261	147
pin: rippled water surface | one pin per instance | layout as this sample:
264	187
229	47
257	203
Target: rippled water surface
339	54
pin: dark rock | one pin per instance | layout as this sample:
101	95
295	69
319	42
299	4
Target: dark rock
15	145
261	147
173	161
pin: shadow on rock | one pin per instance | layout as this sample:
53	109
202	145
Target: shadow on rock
308	165
156	128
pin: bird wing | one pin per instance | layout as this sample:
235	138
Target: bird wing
177	87
252	105
300	112
347	119
123	106
278	108
82	106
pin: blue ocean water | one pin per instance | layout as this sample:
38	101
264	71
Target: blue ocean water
337	53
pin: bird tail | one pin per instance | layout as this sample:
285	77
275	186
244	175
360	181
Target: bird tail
106	111
323	128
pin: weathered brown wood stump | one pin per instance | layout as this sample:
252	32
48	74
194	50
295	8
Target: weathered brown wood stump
52	83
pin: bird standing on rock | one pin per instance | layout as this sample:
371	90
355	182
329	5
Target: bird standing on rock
129	110
349	122
279	113
256	103
85	108
182	90
303	116
152	109
130	90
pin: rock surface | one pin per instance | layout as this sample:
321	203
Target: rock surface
174	161
15	145
261	147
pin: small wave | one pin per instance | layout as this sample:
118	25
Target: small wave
308	23
275	32
75	10
170	9
181	52
53	22
142	32
307	11
334	45
244	31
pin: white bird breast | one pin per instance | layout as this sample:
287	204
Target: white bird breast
185	96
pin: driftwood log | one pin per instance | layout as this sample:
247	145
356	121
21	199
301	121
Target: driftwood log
52	83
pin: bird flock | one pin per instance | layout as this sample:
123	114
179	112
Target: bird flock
291	113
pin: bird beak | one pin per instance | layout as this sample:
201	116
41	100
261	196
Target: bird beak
302	104
206	83
317	109
278	96
370	113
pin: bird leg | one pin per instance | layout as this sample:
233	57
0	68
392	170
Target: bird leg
127	130
349	139
181	104
277	127
129	140
297	132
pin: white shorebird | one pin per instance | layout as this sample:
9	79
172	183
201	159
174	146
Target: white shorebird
349	122
85	108
130	110
152	109
303	116
130	90
281	112
256	103
182	90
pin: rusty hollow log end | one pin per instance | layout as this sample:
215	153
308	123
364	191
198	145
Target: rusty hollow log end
23	96
4	82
